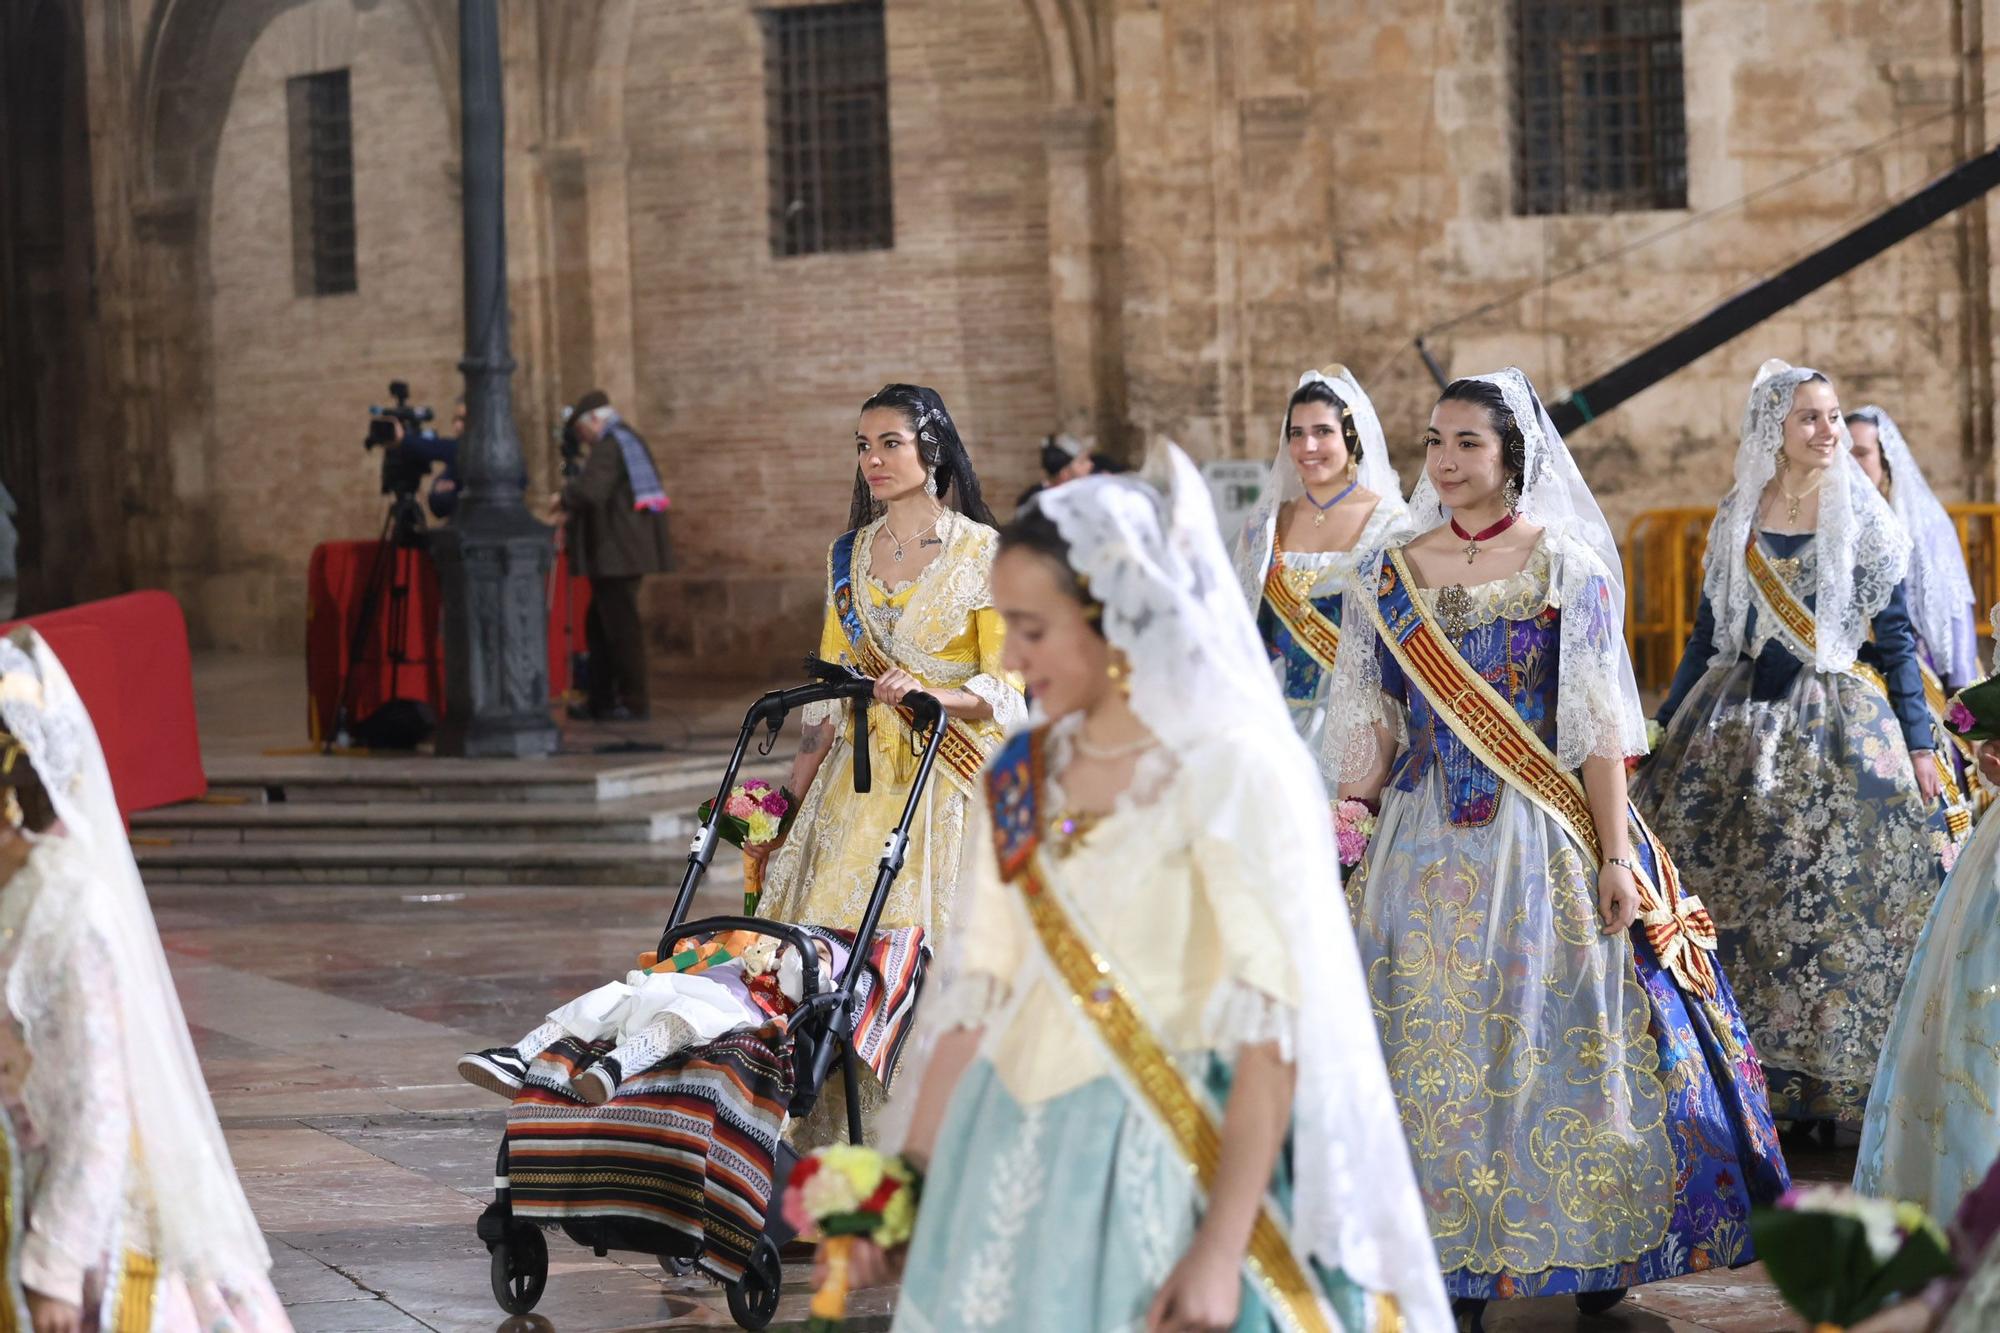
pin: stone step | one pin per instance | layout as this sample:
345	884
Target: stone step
314	779
643	820
428	863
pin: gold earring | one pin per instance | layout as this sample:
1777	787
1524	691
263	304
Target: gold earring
12	811
1120	671
1353	468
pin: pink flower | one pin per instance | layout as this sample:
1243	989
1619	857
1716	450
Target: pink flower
1960	718
756	786
774	804
1352	845
739	805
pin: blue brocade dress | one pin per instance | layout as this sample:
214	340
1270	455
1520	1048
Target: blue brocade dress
1788	793
1578	1122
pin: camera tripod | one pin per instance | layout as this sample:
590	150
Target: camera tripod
403	529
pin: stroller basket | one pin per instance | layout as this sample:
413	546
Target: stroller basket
817	1034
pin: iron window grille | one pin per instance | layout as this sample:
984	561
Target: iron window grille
322	151
826	82
1600	120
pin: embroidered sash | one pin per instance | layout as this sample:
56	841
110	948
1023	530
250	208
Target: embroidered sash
1182	1111
1800	631
1676	924
1311	630
13	1230
959	754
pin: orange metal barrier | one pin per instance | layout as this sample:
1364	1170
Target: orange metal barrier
1663	549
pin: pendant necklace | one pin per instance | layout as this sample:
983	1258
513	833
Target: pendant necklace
1319	519
899	543
1792	502
1472	539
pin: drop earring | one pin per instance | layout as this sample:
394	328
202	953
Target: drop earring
1119	668
1510	494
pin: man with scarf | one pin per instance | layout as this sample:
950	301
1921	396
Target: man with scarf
616	511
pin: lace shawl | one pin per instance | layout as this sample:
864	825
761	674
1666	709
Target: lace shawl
1940	589
1864	551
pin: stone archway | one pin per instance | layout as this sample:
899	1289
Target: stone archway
50	436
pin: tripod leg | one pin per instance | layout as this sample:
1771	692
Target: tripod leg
379	572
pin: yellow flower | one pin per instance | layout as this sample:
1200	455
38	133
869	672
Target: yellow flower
861	1167
1484	1180
899	1218
1591	1052
1430	1080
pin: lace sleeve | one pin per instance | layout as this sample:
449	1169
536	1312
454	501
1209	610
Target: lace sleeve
1597	701
994	683
1356	703
1241	1015
77	1097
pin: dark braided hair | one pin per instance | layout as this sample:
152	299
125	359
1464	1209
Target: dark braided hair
1319	391
938	445
1513	444
1032	530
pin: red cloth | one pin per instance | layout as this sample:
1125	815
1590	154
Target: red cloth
128	657
335	581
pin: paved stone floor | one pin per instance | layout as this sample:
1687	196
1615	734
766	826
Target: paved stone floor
328	1020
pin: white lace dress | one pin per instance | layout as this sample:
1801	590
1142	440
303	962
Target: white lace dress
71	1107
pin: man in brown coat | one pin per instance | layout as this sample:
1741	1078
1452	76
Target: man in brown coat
616	511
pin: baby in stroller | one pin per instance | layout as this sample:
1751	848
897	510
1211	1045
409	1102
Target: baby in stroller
704	990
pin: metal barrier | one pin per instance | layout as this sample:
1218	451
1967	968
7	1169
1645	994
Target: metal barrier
1663	550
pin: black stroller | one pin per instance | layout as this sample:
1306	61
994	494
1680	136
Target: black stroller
821	1029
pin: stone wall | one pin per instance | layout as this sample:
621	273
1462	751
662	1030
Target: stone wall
1134	216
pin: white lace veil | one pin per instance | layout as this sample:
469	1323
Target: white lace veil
1940	588
1152	556
1597	705
1283	483
1863	549
205	1230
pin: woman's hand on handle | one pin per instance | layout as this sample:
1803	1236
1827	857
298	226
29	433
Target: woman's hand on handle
893	684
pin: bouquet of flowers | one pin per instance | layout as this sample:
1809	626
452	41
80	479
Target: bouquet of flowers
1838	1257
1353	827
1974	712
755	813
841	1194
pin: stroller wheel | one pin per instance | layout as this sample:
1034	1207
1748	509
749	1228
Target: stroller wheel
674	1265
520	1268
753	1302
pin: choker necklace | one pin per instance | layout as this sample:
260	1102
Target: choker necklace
900	543
1472	539
1792	502
1319	519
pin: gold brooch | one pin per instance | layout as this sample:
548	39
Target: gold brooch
1786	568
1454	607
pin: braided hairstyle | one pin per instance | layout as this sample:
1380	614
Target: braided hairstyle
1513	444
938	444
1319	391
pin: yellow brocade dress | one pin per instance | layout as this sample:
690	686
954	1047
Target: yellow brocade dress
940	627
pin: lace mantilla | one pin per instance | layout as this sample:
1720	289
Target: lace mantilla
1864	551
1939	587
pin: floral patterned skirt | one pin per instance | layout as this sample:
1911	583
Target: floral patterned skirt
1932	1131
1061	1216
1577	1122
1799	822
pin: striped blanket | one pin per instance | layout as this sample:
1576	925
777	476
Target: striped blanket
691	1145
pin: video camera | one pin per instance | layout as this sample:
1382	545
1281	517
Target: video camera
402	473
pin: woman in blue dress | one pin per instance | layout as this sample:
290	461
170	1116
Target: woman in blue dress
1331	498
1932	1130
1578	1089
1144	1098
1797	777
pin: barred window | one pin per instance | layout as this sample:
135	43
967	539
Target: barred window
1600	124
826	84
322	143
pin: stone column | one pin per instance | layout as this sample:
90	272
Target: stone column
1084	297
494	559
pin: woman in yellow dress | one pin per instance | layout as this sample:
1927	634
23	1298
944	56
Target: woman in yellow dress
908	604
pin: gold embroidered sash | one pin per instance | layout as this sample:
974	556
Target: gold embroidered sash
960	753
1312	631
1676	924
1130	1045
1801	631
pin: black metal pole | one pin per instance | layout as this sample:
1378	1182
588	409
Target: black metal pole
1750	307
493	558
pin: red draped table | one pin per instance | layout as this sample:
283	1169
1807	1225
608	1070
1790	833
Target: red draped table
408	607
128	657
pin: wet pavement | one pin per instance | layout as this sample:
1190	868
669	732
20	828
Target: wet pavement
329	1017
